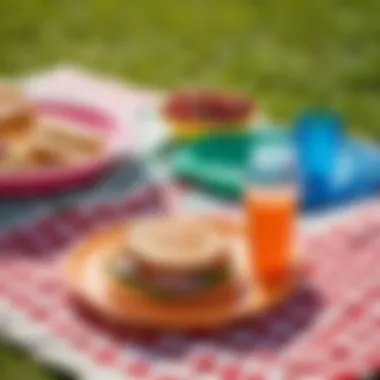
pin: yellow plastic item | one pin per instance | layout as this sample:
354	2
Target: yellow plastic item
183	130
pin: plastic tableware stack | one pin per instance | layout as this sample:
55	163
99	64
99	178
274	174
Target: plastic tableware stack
194	114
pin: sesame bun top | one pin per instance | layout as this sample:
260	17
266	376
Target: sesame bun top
176	243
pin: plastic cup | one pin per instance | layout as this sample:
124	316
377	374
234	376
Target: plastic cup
270	204
318	137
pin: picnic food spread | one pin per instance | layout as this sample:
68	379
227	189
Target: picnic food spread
55	141
29	140
193	113
171	272
178	261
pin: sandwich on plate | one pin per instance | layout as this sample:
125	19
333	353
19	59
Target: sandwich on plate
16	112
56	141
174	261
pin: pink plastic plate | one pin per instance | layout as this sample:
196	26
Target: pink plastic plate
46	181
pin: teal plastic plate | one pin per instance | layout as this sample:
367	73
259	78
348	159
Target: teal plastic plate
216	164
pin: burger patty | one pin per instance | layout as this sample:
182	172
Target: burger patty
168	285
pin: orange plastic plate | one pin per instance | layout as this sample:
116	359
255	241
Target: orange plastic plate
88	276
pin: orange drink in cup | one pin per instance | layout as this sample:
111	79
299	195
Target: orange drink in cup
270	205
270	225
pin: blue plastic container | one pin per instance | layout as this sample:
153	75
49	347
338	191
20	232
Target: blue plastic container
319	138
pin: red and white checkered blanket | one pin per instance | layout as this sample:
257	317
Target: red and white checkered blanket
330	325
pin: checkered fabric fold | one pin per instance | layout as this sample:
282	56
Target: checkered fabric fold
330	324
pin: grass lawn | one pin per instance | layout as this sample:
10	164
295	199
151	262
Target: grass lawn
16	365
286	53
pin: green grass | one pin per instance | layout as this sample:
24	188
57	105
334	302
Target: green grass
286	53
16	365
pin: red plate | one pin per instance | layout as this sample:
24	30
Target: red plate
45	181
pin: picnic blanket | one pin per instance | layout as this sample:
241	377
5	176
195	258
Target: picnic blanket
331	324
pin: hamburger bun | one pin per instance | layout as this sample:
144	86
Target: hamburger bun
176	244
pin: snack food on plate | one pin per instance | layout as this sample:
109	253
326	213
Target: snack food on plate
29	140
193	113
52	131
49	142
4	152
59	142
16	112
175	261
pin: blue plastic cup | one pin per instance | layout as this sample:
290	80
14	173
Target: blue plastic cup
318	139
